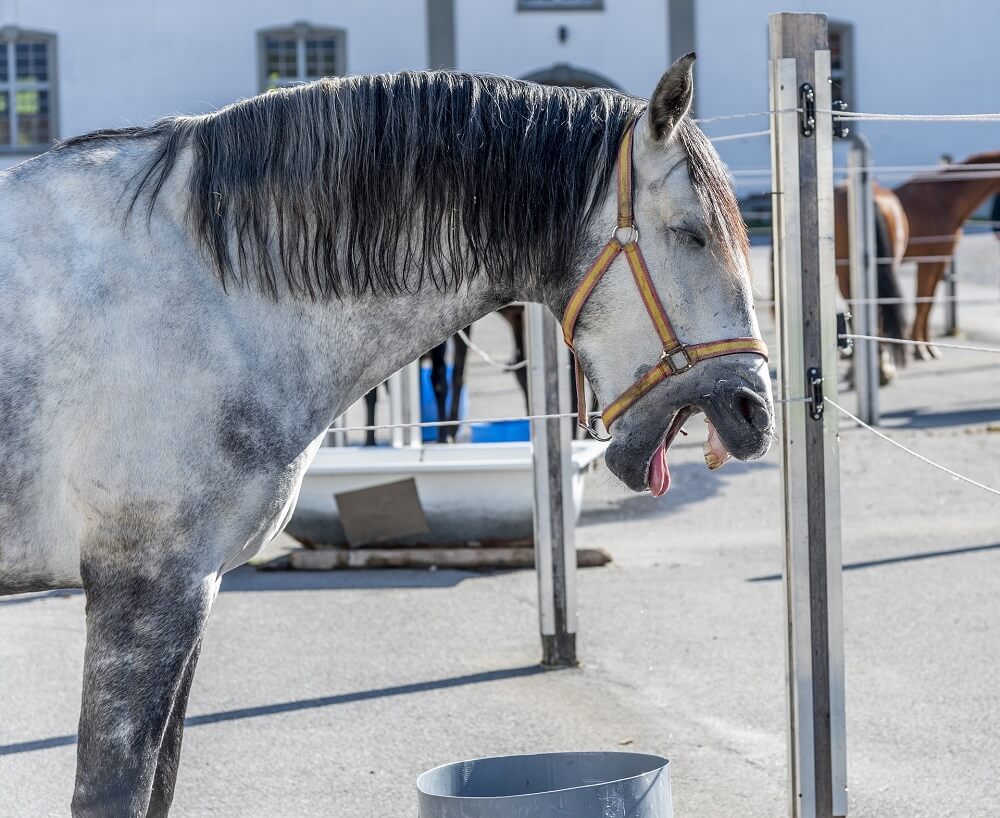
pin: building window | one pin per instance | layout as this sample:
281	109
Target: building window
27	90
560	5
842	63
300	53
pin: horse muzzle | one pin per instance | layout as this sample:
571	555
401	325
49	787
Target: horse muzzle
743	416
737	404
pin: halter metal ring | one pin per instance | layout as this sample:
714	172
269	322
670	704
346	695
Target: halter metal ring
678	359
593	431
632	235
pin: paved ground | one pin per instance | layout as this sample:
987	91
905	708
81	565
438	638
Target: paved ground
326	694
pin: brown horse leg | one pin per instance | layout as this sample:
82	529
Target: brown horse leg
928	276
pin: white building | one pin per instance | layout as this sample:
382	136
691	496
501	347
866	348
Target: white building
67	67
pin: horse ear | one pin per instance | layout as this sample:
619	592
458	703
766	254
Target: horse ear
672	98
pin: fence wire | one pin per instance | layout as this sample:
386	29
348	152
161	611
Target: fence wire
433	424
907	342
921	299
734	136
910	452
482	353
863	116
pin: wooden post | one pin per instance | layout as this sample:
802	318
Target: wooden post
805	290
554	517
863	265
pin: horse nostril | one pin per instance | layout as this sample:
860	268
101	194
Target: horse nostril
753	409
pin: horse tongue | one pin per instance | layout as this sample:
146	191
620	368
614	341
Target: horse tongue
659	472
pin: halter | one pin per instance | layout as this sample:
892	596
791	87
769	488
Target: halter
676	357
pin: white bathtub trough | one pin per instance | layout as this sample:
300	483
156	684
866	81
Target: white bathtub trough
480	493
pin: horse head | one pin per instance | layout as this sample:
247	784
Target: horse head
663	321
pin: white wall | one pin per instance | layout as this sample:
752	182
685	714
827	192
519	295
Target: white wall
912	57
626	43
132	61
124	62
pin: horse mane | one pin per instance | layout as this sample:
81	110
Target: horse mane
384	182
712	186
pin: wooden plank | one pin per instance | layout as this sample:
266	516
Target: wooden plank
806	293
388	511
330	559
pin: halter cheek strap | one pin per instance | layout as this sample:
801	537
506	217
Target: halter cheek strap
676	357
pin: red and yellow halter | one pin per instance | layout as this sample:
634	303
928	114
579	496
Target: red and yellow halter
676	357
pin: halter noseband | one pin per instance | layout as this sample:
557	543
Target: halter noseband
676	357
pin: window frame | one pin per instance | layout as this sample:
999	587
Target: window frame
300	33
848	87
10	36
560	5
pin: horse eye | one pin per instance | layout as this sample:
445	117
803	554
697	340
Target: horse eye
690	236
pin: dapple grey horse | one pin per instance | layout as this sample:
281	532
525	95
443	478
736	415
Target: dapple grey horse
184	308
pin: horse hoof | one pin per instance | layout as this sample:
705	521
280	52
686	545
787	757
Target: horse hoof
920	352
933	351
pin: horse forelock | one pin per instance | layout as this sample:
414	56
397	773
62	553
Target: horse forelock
385	183
711	184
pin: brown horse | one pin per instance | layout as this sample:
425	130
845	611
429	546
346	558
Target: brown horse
937	207
891	235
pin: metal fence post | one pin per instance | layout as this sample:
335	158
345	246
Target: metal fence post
411	404
863	266
802	175
950	285
951	304
554	517
398	433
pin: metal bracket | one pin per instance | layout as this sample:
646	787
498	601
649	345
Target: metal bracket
842	342
815	392
840	129
807	109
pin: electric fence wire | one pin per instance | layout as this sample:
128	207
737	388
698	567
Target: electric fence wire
910	452
907	342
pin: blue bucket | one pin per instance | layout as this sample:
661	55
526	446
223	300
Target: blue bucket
501	431
428	404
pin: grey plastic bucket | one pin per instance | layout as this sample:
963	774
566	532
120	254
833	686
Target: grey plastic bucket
549	785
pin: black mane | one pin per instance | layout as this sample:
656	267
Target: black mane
382	183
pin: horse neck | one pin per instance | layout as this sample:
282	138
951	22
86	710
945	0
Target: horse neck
343	348
949	202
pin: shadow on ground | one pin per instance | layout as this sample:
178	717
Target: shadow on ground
247	578
919	556
923	418
305	704
690	483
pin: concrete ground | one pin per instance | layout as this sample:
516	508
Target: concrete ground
327	694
